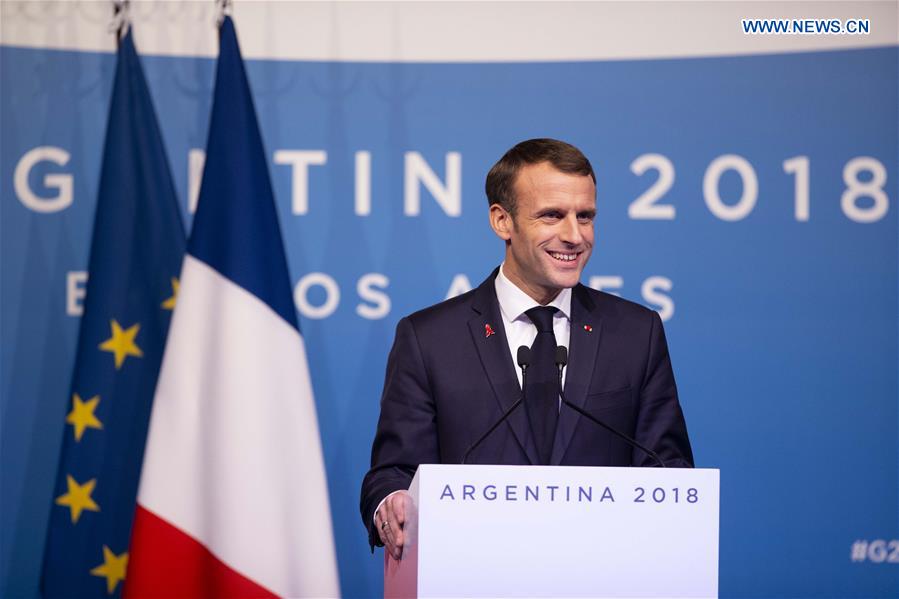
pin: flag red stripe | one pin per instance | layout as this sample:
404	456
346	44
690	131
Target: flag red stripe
167	562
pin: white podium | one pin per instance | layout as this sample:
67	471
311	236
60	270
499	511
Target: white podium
558	531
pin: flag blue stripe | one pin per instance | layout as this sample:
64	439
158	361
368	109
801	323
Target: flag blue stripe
236	229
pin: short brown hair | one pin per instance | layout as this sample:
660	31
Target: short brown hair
501	178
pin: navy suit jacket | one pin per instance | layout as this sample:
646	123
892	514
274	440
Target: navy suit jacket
447	381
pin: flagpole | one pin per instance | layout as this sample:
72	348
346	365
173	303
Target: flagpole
121	19
224	10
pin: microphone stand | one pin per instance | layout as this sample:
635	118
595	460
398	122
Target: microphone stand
524	360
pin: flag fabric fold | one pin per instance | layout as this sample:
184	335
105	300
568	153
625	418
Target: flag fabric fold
233	496
136	252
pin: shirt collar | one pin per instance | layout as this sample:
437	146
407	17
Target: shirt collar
513	302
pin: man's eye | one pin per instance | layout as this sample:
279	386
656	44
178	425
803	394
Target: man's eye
585	219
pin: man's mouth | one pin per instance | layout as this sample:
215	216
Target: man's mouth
565	256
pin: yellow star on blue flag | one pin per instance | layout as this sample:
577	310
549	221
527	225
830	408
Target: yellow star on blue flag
82	416
78	498
112	569
169	303
122	344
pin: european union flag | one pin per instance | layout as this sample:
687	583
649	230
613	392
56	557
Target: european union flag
135	259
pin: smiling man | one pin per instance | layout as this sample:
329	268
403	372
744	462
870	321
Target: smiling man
452	371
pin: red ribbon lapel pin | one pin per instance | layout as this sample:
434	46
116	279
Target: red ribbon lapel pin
488	330
588	328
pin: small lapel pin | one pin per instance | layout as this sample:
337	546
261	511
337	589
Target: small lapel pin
488	330
588	328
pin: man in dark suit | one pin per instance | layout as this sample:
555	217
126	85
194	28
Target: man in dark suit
451	372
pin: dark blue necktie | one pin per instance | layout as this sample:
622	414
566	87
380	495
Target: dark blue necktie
542	395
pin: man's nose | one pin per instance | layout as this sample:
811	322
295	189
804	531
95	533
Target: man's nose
570	231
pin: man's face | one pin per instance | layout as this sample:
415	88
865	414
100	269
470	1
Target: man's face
551	235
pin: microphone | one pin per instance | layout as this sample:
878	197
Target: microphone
524	360
561	362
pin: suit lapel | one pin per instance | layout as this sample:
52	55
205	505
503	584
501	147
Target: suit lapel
493	350
586	330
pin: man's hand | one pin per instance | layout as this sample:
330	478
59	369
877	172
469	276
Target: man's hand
390	519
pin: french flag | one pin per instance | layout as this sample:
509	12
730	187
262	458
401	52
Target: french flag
233	497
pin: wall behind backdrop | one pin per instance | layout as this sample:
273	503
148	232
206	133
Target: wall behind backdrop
746	190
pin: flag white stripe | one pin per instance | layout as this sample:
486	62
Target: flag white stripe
233	454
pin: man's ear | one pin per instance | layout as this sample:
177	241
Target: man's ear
501	222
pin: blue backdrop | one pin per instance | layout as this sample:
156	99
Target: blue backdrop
749	199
